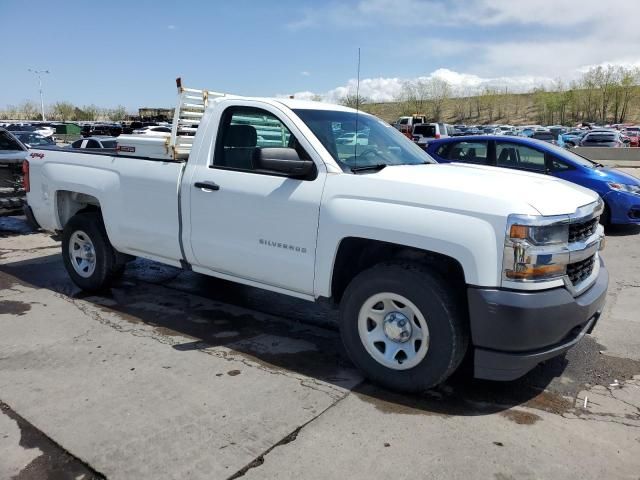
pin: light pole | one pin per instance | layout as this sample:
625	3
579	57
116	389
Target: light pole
39	73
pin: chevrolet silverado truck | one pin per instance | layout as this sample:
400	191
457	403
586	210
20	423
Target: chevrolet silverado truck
427	262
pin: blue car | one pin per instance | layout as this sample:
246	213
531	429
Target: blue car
620	191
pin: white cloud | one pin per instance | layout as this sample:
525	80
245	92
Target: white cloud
305	73
551	38
388	89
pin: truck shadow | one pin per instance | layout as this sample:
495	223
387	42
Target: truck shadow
276	333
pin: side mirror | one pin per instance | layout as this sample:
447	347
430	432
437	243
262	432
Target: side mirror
283	160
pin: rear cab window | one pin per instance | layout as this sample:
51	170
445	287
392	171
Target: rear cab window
425	130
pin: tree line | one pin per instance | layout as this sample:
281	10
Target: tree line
603	94
63	112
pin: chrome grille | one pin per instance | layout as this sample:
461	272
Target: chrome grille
583	230
578	271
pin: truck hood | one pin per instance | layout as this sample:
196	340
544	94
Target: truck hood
546	195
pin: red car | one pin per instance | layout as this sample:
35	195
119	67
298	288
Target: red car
633	133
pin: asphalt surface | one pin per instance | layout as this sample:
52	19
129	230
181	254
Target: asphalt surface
171	374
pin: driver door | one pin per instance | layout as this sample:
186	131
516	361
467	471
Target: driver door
252	224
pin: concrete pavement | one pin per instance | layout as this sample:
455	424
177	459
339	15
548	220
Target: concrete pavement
174	375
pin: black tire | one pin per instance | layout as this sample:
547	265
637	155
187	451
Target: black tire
443	310
108	263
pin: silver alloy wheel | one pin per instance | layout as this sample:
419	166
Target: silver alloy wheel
393	331
82	254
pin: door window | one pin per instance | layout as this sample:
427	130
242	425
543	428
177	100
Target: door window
466	152
93	144
244	130
559	165
513	155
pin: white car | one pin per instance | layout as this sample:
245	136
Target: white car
45	130
427	261
158	131
351	139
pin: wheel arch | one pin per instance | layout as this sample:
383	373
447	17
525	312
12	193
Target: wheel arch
70	203
355	254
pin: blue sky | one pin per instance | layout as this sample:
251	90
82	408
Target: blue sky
129	52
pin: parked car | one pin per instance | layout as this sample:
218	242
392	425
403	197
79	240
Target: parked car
42	130
12	155
572	139
153	131
427	261
619	191
101	129
11	150
95	143
545	137
633	133
405	124
557	130
32	139
425	132
603	138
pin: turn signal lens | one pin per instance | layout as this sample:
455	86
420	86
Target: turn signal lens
536	272
519	231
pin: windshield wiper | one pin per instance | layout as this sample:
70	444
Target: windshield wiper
377	167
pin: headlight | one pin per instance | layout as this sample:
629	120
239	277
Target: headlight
541	234
536	249
621	187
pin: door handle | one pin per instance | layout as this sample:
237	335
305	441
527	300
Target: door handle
207	185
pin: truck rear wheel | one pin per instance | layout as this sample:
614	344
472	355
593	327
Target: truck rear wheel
90	260
403	327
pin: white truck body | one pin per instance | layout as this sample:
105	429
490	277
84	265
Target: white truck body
284	234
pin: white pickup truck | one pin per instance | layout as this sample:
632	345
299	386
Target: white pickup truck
427	262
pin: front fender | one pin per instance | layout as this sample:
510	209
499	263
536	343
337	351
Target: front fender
470	240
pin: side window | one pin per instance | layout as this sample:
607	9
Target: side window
93	144
468	152
404	121
243	131
559	166
76	144
513	155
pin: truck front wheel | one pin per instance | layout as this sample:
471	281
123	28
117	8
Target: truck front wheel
403	326
90	260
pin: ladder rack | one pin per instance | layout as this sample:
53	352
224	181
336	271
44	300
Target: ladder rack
189	110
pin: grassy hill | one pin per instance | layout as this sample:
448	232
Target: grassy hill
515	109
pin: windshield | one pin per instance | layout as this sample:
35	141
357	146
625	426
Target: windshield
377	143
